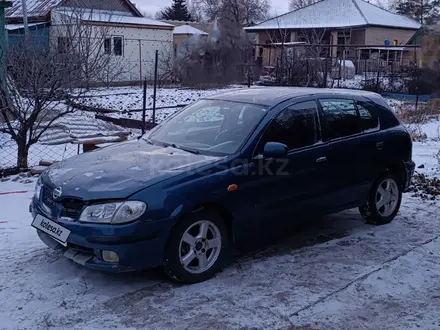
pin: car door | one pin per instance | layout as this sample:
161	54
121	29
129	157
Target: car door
342	130
295	184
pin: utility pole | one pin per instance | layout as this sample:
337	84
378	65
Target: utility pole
25	18
3	6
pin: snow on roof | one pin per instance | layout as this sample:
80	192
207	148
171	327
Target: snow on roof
11	27
337	14
35	8
99	16
291	43
188	29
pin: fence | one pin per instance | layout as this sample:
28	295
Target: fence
111	114
373	67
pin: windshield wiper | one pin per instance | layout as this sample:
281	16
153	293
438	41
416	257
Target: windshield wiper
147	140
184	149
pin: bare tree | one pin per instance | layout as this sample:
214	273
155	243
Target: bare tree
298	4
165	65
296	55
241	12
43	78
196	10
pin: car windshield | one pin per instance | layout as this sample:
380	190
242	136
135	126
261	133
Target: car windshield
210	125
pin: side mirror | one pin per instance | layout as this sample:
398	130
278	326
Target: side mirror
275	150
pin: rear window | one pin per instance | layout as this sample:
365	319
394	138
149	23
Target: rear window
383	111
370	121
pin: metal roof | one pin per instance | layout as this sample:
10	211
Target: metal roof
35	8
41	8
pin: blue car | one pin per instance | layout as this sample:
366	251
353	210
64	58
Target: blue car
220	171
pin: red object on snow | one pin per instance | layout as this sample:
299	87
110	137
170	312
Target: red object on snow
14	192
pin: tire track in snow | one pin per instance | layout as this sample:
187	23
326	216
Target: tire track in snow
363	277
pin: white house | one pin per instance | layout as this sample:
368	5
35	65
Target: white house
123	33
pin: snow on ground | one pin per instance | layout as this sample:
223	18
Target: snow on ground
384	277
131	98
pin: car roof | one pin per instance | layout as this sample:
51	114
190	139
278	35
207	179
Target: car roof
271	96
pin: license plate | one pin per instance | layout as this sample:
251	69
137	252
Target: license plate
51	228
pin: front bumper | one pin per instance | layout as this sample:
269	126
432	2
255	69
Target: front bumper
409	171
139	245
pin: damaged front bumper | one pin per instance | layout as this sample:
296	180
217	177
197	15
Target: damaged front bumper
138	245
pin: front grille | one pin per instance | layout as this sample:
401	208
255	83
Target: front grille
70	208
47	199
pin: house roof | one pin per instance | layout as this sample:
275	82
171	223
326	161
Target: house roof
41	8
104	17
206	27
35	8
187	29
337	14
12	27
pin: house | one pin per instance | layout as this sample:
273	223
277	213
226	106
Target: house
130	39
349	29
205	27
184	32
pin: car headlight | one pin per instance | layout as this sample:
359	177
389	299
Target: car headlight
38	189
113	213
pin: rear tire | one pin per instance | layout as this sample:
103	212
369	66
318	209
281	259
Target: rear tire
384	201
196	248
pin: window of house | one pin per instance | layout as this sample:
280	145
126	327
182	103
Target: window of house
369	121
117	46
114	46
108	46
296	126
340	118
63	45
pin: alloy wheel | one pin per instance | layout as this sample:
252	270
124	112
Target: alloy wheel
200	246
387	197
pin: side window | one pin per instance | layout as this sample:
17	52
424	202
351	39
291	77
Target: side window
296	126
340	118
369	120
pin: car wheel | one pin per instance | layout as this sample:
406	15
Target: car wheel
384	201
196	248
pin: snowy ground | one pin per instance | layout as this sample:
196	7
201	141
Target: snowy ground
369	278
131	98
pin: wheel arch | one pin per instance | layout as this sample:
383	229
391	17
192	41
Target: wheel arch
224	213
398	169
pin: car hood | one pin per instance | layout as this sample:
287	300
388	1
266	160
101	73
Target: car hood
121	170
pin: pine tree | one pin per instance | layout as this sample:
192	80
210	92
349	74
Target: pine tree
178	11
426	12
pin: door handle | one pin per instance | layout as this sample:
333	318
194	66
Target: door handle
321	160
379	145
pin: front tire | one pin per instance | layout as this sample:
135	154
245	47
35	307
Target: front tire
196	248
384	201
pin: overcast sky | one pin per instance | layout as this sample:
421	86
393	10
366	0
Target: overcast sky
153	6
